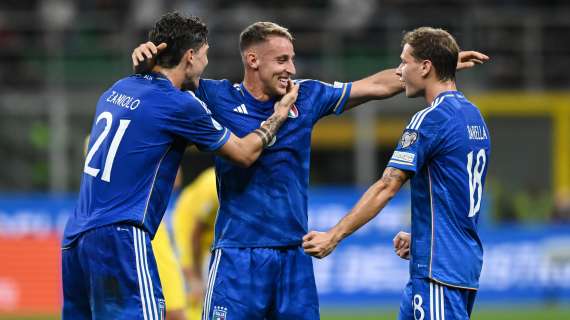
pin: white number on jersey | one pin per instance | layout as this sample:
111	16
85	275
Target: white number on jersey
419	313
123	124
475	184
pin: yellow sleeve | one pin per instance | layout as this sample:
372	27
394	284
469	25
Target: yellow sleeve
169	270
197	202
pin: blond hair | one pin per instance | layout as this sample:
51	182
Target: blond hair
259	32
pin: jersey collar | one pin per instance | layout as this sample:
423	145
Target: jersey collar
449	92
251	101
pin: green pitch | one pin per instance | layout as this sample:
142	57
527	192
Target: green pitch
489	313
513	313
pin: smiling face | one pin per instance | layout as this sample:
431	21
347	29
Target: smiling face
412	73
274	64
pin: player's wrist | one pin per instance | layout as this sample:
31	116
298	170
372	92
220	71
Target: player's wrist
282	109
336	235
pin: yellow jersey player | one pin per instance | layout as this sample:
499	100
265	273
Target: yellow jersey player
193	226
169	268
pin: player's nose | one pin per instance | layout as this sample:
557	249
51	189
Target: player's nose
290	68
399	70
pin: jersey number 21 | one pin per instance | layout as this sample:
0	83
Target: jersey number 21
123	124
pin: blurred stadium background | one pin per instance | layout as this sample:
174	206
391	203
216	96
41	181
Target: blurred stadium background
57	56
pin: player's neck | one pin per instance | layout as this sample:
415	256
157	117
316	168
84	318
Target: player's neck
175	75
437	87
253	85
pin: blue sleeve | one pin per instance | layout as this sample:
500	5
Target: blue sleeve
193	121
208	90
325	98
418	143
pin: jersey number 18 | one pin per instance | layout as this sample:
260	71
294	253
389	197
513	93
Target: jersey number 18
475	173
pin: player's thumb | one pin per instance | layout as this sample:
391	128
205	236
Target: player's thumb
309	236
161	46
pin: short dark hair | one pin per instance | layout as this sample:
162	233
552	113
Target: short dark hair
437	46
259	32
180	34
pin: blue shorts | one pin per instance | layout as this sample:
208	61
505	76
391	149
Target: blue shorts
110	273
425	299
261	283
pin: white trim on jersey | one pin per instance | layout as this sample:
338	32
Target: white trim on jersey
432	223
337	105
152	184
402	162
226	132
210	288
419	117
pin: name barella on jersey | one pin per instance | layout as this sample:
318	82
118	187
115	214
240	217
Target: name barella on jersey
447	147
142	126
266	205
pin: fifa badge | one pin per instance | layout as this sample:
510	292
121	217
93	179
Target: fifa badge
408	138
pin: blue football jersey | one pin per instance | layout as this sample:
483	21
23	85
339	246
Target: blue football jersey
447	147
266	205
142	126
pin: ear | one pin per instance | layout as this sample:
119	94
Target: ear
251	59
426	68
189	56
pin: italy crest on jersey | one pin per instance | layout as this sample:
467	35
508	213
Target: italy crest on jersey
220	313
293	112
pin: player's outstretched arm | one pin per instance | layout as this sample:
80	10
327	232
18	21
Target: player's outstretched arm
386	84
321	244
244	151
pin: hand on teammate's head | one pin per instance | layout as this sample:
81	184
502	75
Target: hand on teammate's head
143	57
469	59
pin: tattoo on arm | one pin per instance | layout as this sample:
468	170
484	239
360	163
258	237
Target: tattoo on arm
269	128
394	175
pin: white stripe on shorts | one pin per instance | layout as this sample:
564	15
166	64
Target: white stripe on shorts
211	282
437	302
431	300
144	300
147	273
442	302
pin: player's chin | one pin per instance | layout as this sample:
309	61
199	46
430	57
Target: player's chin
280	90
411	93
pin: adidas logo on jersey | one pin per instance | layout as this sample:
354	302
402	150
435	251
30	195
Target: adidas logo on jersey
241	109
